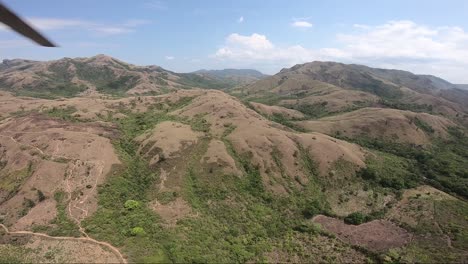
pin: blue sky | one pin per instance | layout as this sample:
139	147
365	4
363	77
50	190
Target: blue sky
421	36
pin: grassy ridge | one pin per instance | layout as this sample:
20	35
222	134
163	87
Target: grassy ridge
443	165
137	229
250	219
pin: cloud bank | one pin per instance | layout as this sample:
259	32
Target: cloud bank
403	44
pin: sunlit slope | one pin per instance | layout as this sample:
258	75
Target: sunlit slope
69	77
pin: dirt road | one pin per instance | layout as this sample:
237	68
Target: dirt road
105	244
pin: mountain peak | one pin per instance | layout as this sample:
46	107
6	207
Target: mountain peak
102	58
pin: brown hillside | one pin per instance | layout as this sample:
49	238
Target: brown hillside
321	88
295	90
387	124
47	155
274	151
102	74
268	110
90	73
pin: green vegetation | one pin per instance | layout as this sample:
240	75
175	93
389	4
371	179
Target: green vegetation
423	125
40	196
119	85
369	84
13	254
51	91
448	223
166	197
132	204
52	86
28	204
137	231
264	212
356	218
96	75
123	65
124	224
315	110
269	98
390	171
65	226
11	181
195	80
310	110
452	216
240	209
279	118
65	114
123	217
58	84
198	123
442	165
396	104
62	225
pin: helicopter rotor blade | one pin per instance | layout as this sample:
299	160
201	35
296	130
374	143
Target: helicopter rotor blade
17	24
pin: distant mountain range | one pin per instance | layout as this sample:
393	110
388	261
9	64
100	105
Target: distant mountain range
233	76
349	86
103	74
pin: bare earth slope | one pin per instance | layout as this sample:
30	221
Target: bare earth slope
385	124
47	156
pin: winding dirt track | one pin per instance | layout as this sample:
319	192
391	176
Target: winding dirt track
109	246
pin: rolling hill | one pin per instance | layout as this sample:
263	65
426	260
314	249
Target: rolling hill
289	168
324	88
102	74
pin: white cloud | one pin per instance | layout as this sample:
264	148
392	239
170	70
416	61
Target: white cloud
112	30
57	23
441	51
257	48
136	22
169	57
302	24
155	5
126	27
54	23
240	20
407	40
254	42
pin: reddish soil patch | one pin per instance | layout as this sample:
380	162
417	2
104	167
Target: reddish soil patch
377	235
